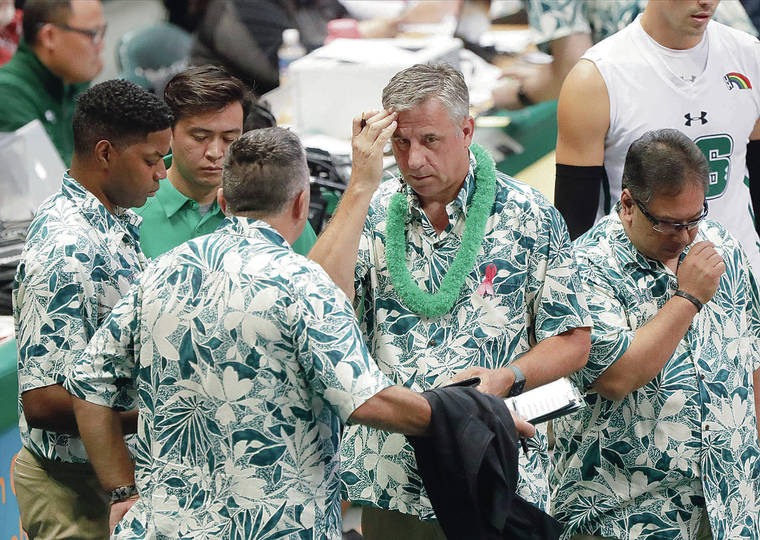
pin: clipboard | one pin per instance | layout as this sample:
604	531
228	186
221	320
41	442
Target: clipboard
547	402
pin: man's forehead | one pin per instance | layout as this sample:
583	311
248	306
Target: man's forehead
419	123
157	142
225	119
86	12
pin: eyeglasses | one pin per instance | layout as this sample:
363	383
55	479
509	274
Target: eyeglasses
669	227
95	34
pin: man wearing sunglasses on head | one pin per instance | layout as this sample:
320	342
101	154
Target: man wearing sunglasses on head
668	446
58	57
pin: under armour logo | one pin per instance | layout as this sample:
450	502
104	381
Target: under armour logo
689	119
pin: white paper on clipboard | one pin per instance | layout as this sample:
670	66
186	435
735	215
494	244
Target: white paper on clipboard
546	402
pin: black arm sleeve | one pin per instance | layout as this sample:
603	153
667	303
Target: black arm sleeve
576	195
753	167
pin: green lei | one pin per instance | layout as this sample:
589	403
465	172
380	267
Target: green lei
415	299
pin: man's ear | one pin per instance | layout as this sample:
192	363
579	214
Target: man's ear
104	153
221	200
468	129
300	206
626	205
46	37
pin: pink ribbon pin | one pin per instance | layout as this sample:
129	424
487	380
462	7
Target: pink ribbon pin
487	286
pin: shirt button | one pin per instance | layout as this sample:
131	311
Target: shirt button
701	377
704	477
707	427
432	343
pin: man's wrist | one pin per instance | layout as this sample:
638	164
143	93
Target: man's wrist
122	493
361	190
518	382
508	379
696	302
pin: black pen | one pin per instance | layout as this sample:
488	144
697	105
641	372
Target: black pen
523	441
524	444
363	122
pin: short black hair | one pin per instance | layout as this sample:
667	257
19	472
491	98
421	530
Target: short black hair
203	89
39	12
662	161
117	111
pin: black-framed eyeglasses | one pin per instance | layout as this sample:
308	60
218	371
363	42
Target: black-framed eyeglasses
96	35
670	227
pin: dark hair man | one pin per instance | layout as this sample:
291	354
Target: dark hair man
80	257
58	56
209	107
459	270
668	446
245	360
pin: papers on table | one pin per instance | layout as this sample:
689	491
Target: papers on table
546	402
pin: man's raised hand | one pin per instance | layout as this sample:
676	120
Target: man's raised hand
371	132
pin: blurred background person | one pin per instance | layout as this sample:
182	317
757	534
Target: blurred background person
565	29
10	29
55	61
244	35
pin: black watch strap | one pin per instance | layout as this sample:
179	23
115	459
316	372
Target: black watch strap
122	493
519	384
693	299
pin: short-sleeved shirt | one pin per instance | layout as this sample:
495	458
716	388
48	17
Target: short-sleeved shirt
78	261
245	359
535	297
171	218
555	19
29	91
645	466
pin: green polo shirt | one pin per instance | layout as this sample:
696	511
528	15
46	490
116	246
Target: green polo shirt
29	90
170	219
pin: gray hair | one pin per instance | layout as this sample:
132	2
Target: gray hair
411	86
663	161
263	170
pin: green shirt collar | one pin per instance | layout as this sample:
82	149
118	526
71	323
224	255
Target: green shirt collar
172	200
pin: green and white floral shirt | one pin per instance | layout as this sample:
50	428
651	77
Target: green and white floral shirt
78	261
555	19
534	298
245	360
644	467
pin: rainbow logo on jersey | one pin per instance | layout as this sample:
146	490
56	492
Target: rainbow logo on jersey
737	80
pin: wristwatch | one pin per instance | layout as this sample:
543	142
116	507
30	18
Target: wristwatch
519	384
122	493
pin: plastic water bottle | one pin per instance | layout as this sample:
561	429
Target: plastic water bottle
291	49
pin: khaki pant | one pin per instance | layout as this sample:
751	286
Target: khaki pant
378	524
59	500
704	532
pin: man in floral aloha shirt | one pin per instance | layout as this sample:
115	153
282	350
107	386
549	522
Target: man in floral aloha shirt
245	360
492	291
668	445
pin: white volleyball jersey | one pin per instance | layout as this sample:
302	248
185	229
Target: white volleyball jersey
717	110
